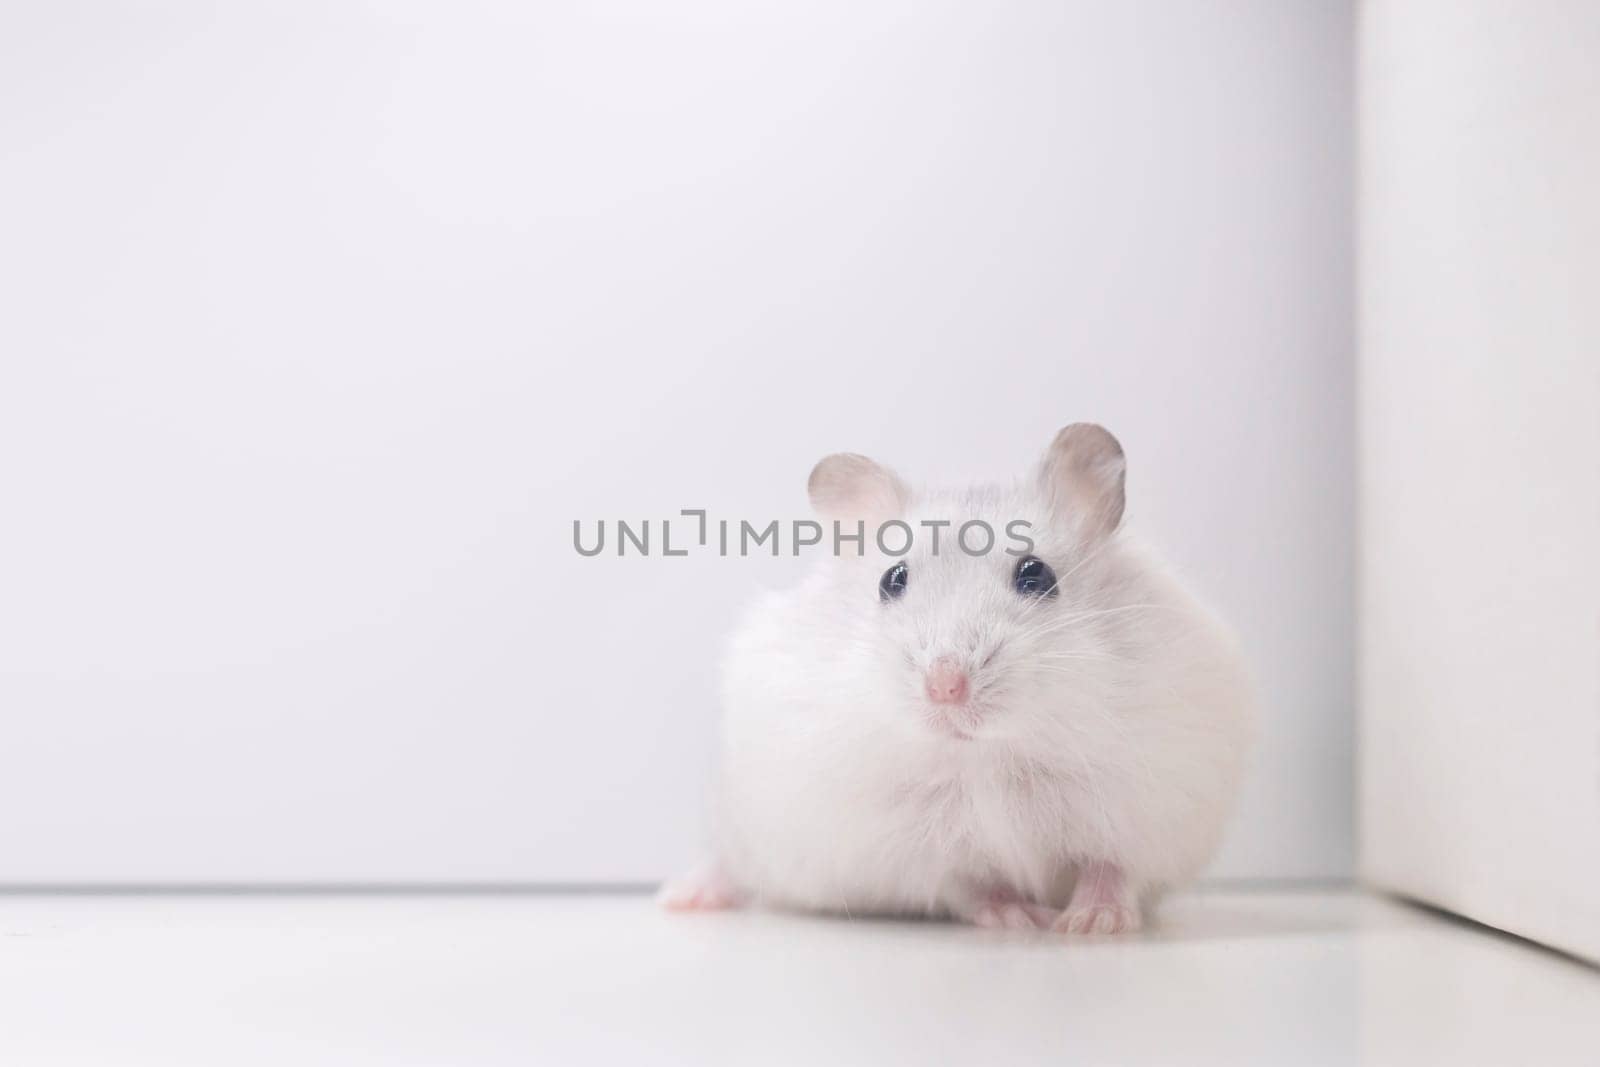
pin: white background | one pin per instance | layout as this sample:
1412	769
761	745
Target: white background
1480	441
322	325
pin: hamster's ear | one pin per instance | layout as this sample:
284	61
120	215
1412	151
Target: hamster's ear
1082	477
850	487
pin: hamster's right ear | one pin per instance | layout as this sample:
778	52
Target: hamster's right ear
1083	477
849	487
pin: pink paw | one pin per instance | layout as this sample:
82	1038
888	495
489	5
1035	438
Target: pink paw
1012	916
1098	919
698	891
1005	910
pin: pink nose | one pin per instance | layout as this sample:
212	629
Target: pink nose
946	682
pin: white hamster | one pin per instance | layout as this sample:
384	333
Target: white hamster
1042	739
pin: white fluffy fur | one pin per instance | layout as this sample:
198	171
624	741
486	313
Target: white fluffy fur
1114	721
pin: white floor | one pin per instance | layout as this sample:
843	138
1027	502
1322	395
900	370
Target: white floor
1279	978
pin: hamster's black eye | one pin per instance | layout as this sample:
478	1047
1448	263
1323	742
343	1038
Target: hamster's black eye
893	583
1035	578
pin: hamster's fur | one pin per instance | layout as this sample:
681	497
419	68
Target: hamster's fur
1091	765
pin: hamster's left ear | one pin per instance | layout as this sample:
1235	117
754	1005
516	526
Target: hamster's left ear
1083	476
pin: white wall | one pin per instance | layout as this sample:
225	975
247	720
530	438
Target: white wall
323	324
1480	446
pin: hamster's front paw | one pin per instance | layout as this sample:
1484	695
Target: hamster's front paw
1098	919
1102	903
1003	910
705	888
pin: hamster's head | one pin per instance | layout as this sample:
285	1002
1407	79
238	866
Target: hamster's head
968	615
